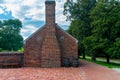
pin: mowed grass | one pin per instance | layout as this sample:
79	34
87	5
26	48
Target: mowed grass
103	63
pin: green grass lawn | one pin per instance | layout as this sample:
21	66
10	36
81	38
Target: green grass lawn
103	63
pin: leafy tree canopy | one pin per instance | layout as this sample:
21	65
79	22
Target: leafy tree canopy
10	38
96	24
105	22
78	13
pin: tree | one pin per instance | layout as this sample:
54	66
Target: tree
114	50
106	26
10	38
78	13
0	24
95	45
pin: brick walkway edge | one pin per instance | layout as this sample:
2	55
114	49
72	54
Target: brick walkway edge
86	71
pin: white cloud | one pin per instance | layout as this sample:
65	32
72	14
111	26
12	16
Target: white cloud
31	28
33	9
28	29
36	13
24	30
60	18
1	11
16	10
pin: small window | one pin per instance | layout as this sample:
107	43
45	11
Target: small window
62	37
39	38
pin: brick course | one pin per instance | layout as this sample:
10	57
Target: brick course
11	57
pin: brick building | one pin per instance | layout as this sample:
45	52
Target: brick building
49	45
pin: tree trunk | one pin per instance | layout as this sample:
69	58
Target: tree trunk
93	56
83	55
107	59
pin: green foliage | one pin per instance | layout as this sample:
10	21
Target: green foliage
96	24
114	50
0	49
94	43
78	10
106	25
1	24
78	13
21	50
10	38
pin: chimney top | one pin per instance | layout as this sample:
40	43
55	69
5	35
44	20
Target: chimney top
49	1
50	11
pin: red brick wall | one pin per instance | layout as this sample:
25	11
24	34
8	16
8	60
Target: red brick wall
49	51
11	57
33	48
68	45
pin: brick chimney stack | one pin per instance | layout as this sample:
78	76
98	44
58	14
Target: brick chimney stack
50	53
50	12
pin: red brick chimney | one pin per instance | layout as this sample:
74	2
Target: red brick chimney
51	56
50	11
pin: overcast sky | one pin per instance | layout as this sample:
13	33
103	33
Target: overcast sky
31	13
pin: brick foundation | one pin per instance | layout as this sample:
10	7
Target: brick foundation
11	59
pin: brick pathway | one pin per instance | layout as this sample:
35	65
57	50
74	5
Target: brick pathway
86	71
97	72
